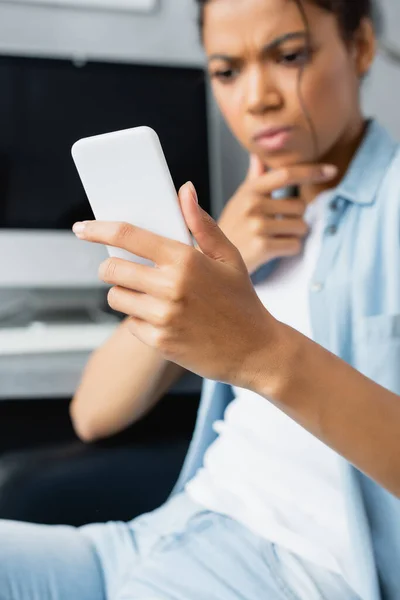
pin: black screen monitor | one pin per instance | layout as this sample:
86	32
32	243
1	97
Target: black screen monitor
48	104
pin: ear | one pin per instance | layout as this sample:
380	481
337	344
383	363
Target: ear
364	47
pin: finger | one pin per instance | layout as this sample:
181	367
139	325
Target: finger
209	237
296	175
285	208
284	227
138	241
256	167
133	276
141	306
286	246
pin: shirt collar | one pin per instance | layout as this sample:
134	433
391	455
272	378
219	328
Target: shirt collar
369	166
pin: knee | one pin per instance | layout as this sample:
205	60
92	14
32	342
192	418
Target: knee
12	548
36	560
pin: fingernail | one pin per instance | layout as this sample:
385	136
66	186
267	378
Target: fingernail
79	228
193	192
329	171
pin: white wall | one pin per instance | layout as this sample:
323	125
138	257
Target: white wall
382	90
169	36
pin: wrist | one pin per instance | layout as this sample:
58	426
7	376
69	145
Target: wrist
273	365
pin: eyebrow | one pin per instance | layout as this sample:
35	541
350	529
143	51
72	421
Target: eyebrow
274	44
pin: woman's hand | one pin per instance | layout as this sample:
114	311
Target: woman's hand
199	309
261	227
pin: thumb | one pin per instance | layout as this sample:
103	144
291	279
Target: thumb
209	237
256	167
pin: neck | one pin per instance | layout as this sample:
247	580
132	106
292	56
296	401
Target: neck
341	156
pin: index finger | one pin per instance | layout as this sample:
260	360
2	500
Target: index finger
295	175
141	242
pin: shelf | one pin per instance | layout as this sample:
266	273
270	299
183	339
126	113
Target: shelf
142	6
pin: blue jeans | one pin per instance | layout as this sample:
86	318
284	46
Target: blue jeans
178	552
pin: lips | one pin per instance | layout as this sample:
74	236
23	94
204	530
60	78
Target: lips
273	139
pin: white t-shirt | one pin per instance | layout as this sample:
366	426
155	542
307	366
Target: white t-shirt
266	471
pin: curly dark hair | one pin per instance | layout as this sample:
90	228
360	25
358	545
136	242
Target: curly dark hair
348	12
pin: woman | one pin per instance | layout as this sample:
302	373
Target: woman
274	511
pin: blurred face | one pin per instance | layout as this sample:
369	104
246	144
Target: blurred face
272	76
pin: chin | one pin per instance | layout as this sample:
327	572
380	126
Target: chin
284	159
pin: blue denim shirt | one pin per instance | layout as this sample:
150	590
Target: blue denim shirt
355	313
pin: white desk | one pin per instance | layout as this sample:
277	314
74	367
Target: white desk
47	361
39	338
40	361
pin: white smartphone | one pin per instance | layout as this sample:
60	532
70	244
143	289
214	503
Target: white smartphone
126	178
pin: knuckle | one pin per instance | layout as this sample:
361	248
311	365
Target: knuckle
250	202
257	227
107	270
159	318
162	340
186	261
158	338
167	315
122	231
247	208
176	289
175	283
209	221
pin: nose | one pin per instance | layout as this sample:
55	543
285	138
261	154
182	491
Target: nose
262	94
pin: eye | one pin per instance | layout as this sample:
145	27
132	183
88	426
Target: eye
225	75
295	58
